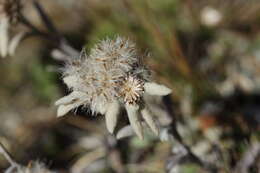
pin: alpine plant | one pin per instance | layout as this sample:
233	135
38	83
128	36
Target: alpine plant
112	76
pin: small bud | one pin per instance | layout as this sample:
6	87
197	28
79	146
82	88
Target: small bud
210	17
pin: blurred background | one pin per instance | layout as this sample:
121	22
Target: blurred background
206	51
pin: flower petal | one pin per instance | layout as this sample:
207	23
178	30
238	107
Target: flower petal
4	36
156	89
102	108
133	113
125	132
148	117
63	109
59	55
111	116
72	97
70	81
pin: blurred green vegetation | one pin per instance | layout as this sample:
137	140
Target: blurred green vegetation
44	82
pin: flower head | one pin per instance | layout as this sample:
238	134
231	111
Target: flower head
112	76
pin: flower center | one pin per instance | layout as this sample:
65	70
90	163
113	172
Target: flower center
131	89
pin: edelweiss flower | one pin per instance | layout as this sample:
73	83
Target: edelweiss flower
9	10
111	77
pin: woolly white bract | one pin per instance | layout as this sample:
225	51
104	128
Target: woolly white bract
112	76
